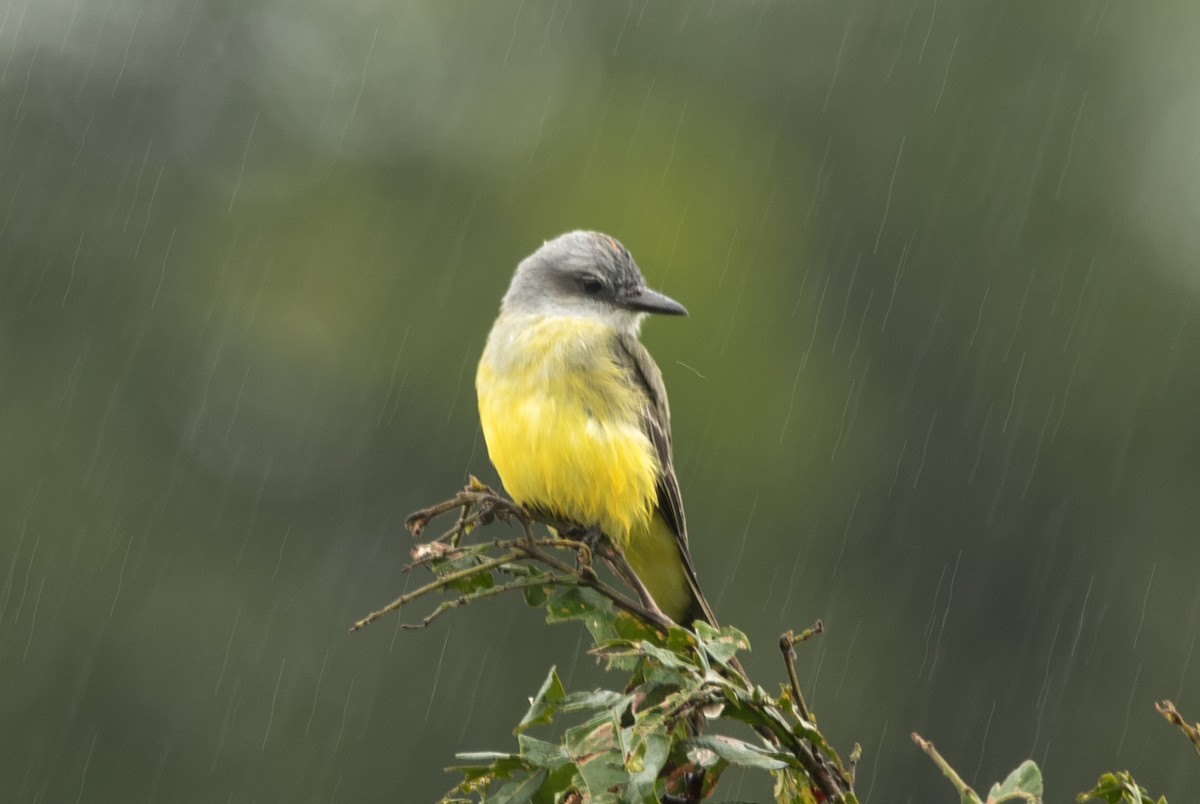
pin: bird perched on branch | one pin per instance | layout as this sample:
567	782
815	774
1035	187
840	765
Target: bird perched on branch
575	415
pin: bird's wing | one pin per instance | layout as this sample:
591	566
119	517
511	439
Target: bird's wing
656	421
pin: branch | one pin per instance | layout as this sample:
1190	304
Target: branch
962	787
787	644
1168	710
786	726
433	586
463	600
588	578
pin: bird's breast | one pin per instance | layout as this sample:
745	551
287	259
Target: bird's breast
562	421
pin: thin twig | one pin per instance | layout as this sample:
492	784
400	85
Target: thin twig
787	645
475	493
463	600
855	756
462	527
962	787
441	583
582	548
807	634
835	782
1168	710
417	521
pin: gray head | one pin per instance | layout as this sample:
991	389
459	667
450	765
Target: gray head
585	274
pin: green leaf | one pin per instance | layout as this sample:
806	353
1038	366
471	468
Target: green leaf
618	647
558	783
1023	784
644	765
721	645
704	757
738	752
1119	788
667	658
597	735
536	595
618	654
632	629
521	791
473	583
596	700
470	584
544	705
682	640
794	789
580	603
656	676
540	753
602	773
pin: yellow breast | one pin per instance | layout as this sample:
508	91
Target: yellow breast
562	423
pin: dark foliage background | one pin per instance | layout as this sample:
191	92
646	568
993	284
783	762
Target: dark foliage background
938	386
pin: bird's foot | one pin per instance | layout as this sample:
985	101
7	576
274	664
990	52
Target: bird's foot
592	536
591	539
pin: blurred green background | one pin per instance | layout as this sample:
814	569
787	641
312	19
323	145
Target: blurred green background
938	386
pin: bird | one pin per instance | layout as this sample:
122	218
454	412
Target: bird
575	416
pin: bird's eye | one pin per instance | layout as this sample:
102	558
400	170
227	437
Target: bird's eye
591	285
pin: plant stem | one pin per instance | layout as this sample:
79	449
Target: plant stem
440	583
962	787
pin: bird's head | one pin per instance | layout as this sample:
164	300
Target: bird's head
586	274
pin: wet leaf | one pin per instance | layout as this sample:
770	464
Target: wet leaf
1119	788
559	783
603	774
631	628
544	705
580	603
682	640
1023	784
738	752
521	791
595	700
536	596
721	645
471	583
667	658
592	737
649	757
540	753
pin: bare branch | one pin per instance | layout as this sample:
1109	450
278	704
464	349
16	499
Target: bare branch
440	583
1168	710
787	645
962	787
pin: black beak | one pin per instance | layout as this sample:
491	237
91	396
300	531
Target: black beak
645	300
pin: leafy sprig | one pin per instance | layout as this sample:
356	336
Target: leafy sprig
657	738
663	736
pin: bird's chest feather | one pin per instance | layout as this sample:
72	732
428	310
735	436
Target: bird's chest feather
562	421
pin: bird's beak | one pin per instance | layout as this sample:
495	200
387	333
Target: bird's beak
645	300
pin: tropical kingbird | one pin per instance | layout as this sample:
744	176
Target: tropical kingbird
575	414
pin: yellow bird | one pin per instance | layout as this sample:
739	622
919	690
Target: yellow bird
575	415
